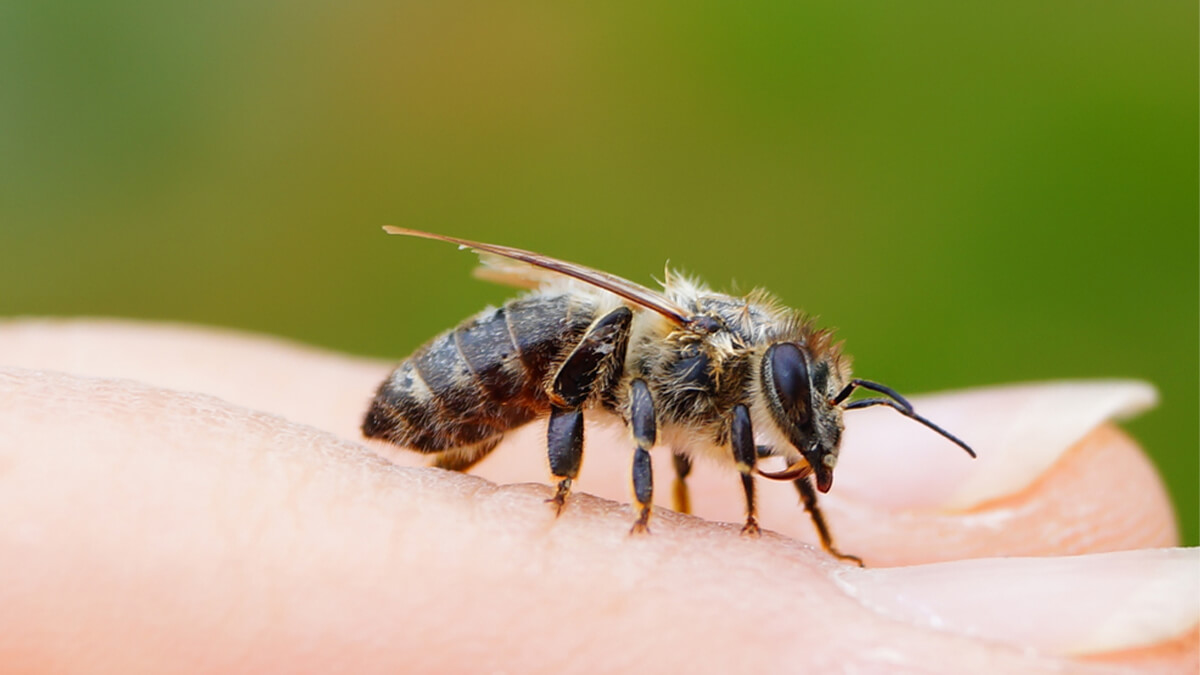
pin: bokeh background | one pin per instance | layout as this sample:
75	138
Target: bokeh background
972	193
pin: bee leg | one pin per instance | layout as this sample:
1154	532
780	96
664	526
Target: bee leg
680	499
645	434
462	459
601	352
741	434
809	496
564	440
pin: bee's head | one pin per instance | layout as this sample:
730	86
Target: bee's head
806	396
799	394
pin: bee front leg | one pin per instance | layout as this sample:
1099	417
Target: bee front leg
645	433
809	496
741	435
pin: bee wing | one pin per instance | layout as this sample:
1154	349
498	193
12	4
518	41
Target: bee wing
515	275
500	270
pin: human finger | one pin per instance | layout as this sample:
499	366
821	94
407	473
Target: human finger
150	529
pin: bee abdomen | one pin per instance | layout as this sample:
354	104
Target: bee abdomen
482	378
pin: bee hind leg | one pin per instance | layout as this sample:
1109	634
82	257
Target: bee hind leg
809	496
598	358
564	441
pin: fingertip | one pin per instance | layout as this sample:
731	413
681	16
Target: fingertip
1068	606
1018	432
1103	495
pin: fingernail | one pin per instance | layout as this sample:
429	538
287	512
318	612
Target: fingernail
1070	606
1018	431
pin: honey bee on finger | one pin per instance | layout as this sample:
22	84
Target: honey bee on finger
706	374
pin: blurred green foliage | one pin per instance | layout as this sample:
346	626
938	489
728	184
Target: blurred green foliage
972	193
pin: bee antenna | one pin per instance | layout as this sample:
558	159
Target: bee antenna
897	403
873	386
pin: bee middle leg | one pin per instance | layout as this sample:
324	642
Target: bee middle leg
642	419
741	435
809	496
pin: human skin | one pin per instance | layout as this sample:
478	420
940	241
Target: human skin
187	500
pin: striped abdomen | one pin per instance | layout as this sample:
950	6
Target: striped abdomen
470	384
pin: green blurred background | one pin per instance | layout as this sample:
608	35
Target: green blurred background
972	193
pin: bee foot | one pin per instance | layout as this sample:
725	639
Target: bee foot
642	526
751	529
847	558
559	502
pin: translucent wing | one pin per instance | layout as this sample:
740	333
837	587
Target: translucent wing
495	270
508	272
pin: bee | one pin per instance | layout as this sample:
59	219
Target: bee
733	379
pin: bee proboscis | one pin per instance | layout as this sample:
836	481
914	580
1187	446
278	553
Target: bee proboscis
731	378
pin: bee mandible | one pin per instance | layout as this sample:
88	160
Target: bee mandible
734	379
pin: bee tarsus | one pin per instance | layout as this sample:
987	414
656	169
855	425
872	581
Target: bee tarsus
559	500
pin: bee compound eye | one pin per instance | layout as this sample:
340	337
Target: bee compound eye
790	378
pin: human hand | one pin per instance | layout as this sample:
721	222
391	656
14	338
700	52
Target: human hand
147	526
